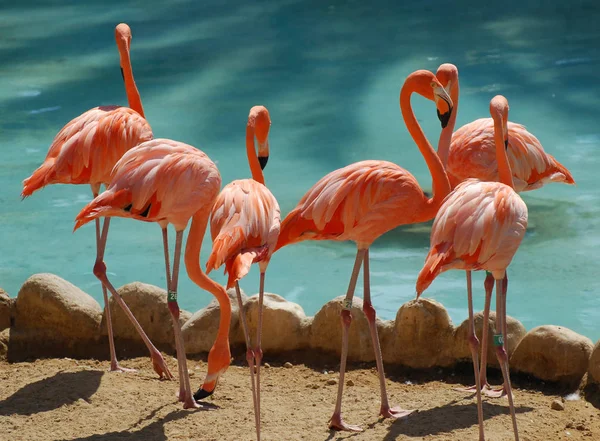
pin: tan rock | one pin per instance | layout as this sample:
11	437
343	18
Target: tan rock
148	303
326	330
285	327
200	331
6	309
553	353
59	308
515	333
594	367
421	335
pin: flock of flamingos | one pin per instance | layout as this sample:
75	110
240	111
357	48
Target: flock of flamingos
480	219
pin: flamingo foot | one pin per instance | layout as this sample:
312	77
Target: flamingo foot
116	367
488	391
394	412
160	367
190	403
336	423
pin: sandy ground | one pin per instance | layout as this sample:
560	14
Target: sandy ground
65	399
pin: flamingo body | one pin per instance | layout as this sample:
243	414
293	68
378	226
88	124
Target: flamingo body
479	226
359	202
244	227
472	154
87	148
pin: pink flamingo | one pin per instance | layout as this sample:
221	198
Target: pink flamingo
362	201
169	182
84	152
244	228
480	226
470	153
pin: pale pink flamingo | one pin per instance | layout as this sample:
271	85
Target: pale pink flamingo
362	201
169	182
470	153
244	227
480	226
84	152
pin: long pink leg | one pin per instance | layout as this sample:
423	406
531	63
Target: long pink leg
501	351
249	358
165	236
336	421
485	387
369	310
474	345
158	362
258	353
184	379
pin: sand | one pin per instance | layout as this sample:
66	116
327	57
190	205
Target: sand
66	399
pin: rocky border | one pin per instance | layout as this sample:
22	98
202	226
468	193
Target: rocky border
51	317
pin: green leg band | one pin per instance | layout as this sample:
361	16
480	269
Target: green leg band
172	296
348	304
498	340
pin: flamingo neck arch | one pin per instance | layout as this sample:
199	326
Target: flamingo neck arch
123	37
220	362
259	123
441	185
499	113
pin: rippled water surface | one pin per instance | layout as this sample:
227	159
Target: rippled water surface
330	74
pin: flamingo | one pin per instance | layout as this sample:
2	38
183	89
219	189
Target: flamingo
480	226
362	201
470	153
244	227
170	182
84	152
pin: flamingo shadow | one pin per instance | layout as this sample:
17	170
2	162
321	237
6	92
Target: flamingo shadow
445	419
52	392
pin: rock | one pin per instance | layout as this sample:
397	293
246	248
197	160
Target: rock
6	310
285	327
594	367
57	308
553	353
200	331
148	303
332	382
288	365
421	337
515	333
557	405
266	365
326	332
349	383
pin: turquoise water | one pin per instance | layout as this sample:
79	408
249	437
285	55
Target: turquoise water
330	74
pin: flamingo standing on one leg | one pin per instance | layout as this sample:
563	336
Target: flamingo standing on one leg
362	201
470	153
169	182
84	152
244	228
480	227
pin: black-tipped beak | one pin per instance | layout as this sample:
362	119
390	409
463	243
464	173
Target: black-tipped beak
444	117
506	144
122	74
263	161
202	394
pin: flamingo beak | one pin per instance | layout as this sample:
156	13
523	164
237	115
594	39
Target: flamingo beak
263	161
440	94
263	153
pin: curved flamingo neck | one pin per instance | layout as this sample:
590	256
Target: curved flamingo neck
441	185
257	173
192	265
133	95
504	171
446	135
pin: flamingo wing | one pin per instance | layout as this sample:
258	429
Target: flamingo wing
359	202
245	223
161	181
479	226
87	148
473	155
